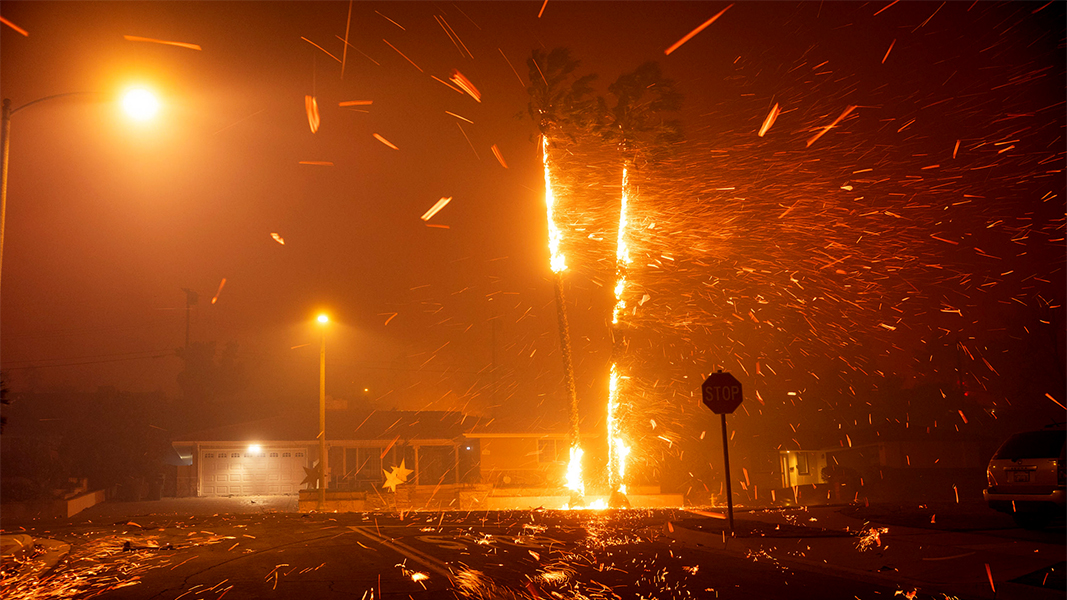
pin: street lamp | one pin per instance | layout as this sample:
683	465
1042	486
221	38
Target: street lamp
138	103
323	458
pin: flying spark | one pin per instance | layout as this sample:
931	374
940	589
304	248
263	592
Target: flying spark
384	141
436	207
695	31
134	38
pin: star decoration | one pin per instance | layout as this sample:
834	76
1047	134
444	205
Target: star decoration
397	476
312	475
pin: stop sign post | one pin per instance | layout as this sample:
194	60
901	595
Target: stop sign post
722	394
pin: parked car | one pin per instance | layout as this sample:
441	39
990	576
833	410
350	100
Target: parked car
1026	477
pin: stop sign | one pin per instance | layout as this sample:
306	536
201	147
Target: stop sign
722	393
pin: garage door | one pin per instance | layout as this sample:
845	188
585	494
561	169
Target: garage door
270	471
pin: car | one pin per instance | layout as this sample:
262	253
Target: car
1026	477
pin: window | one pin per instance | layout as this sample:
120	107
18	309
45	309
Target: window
286	454
274	455
248	454
262	455
803	468
1033	444
235	455
363	464
209	455
436	464
549	451
299	454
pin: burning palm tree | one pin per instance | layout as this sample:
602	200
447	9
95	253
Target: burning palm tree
637	126
562	106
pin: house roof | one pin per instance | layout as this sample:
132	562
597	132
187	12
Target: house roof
407	425
342	425
521	425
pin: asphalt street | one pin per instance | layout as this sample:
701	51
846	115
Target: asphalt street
498	554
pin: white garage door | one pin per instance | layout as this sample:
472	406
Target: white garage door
270	471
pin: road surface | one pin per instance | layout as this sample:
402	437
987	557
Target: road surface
499	554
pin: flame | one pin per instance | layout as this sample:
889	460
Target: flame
622	255
617	448
574	471
557	262
598	504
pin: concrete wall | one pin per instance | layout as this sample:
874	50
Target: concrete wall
50	509
335	501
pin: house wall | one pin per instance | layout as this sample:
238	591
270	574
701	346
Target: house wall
501	454
519	462
801	467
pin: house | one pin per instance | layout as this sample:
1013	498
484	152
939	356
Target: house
389	459
908	467
275	455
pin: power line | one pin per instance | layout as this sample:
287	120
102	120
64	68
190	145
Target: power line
89	362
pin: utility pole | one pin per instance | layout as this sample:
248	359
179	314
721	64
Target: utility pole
323	455
5	147
191	299
493	368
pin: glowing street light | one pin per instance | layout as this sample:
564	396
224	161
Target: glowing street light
323	457
138	103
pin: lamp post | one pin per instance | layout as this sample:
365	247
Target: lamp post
138	103
323	457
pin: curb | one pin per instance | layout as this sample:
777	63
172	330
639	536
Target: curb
15	546
33	557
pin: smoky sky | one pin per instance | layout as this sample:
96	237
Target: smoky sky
931	215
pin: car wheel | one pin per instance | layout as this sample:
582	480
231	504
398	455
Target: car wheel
1032	520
